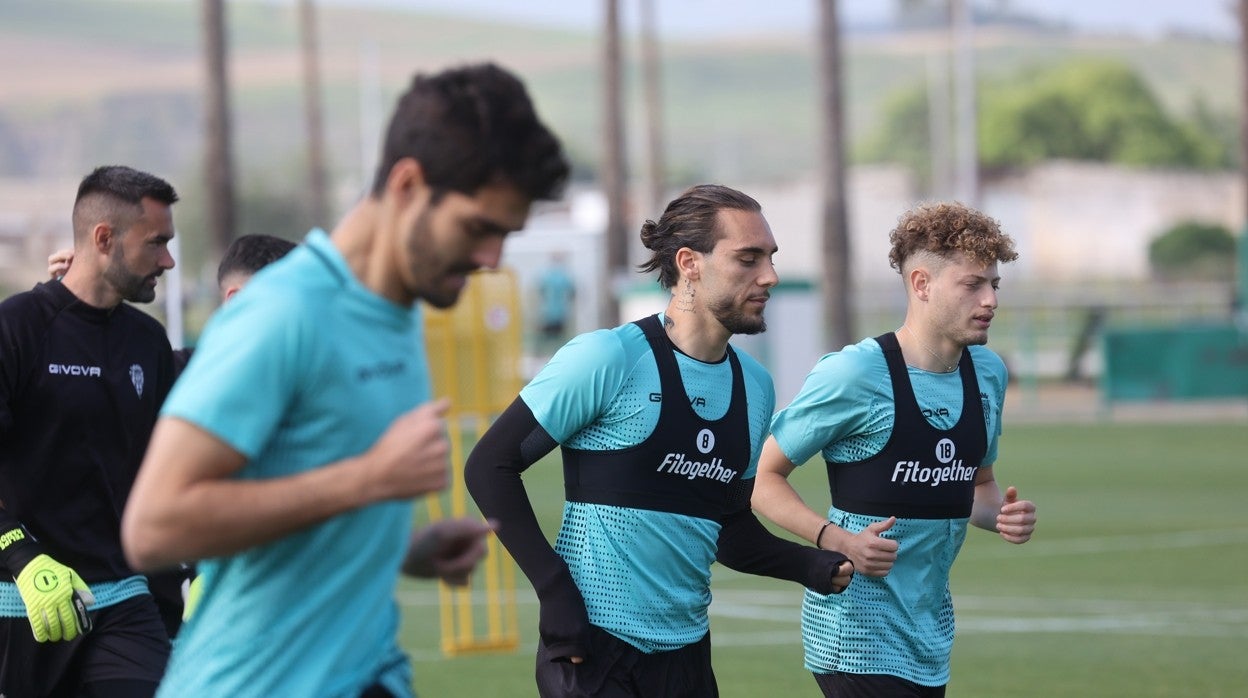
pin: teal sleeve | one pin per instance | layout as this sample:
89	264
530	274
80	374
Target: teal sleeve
576	385
246	363
835	401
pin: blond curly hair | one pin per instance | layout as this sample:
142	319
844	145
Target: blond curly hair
944	228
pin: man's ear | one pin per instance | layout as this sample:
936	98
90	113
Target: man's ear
103	237
406	181
920	280
689	263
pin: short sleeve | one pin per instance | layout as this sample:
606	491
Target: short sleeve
833	402
247	363
577	384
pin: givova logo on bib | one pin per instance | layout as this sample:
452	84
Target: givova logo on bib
908	472
678	464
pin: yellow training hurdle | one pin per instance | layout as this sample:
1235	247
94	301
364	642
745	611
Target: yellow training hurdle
474	352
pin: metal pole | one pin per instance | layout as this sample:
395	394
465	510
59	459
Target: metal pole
967	156
218	161
317	186
653	85
837	287
613	178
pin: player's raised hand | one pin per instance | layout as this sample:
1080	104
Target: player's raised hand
1017	519
871	553
59	261
411	457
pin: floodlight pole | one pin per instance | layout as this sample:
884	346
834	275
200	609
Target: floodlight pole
309	54
967	189
1241	288
652	83
218	160
613	168
938	121
837	289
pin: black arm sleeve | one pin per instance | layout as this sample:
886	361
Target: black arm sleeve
493	476
746	545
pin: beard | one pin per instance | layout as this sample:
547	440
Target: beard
421	251
130	286
440	298
735	320
427	266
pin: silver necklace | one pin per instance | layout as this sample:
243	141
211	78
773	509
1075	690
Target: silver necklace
949	368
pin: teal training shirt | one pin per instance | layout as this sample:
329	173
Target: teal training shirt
902	624
304	367
597	393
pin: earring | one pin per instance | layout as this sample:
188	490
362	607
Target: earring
685	302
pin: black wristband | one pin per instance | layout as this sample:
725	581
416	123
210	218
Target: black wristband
819	536
17	548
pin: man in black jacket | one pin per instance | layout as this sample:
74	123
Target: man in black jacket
244	257
82	377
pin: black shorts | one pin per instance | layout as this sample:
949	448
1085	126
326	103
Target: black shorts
842	685
616	669
166	588
127	648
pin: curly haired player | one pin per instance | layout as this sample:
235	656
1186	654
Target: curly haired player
907	423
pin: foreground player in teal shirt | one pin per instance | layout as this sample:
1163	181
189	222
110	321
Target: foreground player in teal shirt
907	423
288	454
660	423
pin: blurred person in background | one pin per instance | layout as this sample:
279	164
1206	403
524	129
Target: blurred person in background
288	454
556	289
82	377
660	423
908	425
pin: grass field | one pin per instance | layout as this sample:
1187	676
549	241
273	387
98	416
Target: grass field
1136	583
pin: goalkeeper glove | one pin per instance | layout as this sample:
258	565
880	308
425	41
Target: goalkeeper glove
192	591
56	598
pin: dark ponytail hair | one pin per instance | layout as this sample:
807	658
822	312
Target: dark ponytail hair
690	220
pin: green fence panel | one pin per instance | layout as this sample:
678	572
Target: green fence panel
1175	363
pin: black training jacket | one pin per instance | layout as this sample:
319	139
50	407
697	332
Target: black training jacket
80	389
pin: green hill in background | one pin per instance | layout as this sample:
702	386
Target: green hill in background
89	82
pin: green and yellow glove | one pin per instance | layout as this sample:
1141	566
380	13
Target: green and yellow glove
56	598
194	589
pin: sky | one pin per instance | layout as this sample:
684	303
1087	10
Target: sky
691	18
